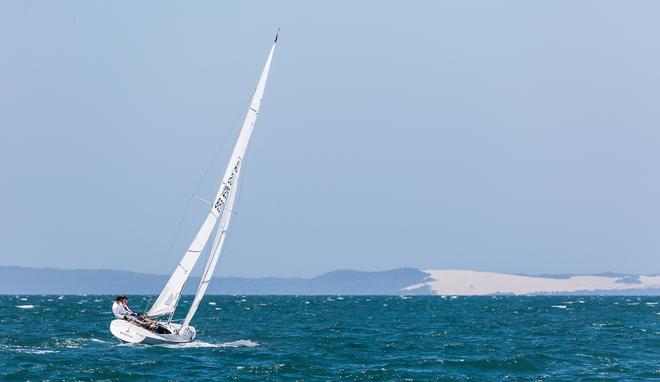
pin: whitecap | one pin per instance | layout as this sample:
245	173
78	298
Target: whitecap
69	343
23	299
202	344
19	349
40	351
211	303
559	306
25	306
240	343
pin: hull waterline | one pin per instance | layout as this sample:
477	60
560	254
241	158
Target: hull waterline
131	333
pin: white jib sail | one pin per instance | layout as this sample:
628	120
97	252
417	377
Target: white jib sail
230	183
169	296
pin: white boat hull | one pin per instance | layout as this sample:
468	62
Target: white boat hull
131	333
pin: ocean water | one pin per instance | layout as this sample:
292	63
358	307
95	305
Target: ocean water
351	338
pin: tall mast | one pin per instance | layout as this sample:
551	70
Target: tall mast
224	204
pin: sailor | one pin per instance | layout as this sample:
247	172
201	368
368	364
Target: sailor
121	310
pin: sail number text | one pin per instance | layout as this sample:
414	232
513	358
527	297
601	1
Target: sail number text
226	188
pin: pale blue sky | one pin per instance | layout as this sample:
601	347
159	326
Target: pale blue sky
501	136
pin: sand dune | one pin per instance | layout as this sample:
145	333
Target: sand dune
472	283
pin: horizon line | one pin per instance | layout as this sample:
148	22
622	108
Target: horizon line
610	272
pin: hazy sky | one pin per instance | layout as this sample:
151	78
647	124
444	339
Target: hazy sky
501	136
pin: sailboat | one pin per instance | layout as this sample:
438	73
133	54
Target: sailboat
161	328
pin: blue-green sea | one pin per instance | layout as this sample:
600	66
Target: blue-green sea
353	338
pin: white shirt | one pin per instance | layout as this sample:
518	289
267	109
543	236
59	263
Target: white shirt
120	310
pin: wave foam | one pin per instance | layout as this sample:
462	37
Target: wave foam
27	350
202	344
25	306
39	351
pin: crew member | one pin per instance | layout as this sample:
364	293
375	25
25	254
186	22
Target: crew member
121	310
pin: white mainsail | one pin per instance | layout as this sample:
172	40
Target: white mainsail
223	206
231	174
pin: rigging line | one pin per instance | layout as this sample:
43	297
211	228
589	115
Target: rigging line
202	200
222	145
170	250
205	174
176	303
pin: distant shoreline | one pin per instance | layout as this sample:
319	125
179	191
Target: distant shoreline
396	282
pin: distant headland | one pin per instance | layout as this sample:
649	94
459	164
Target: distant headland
403	281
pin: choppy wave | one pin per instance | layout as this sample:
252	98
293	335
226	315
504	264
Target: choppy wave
27	350
343	338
